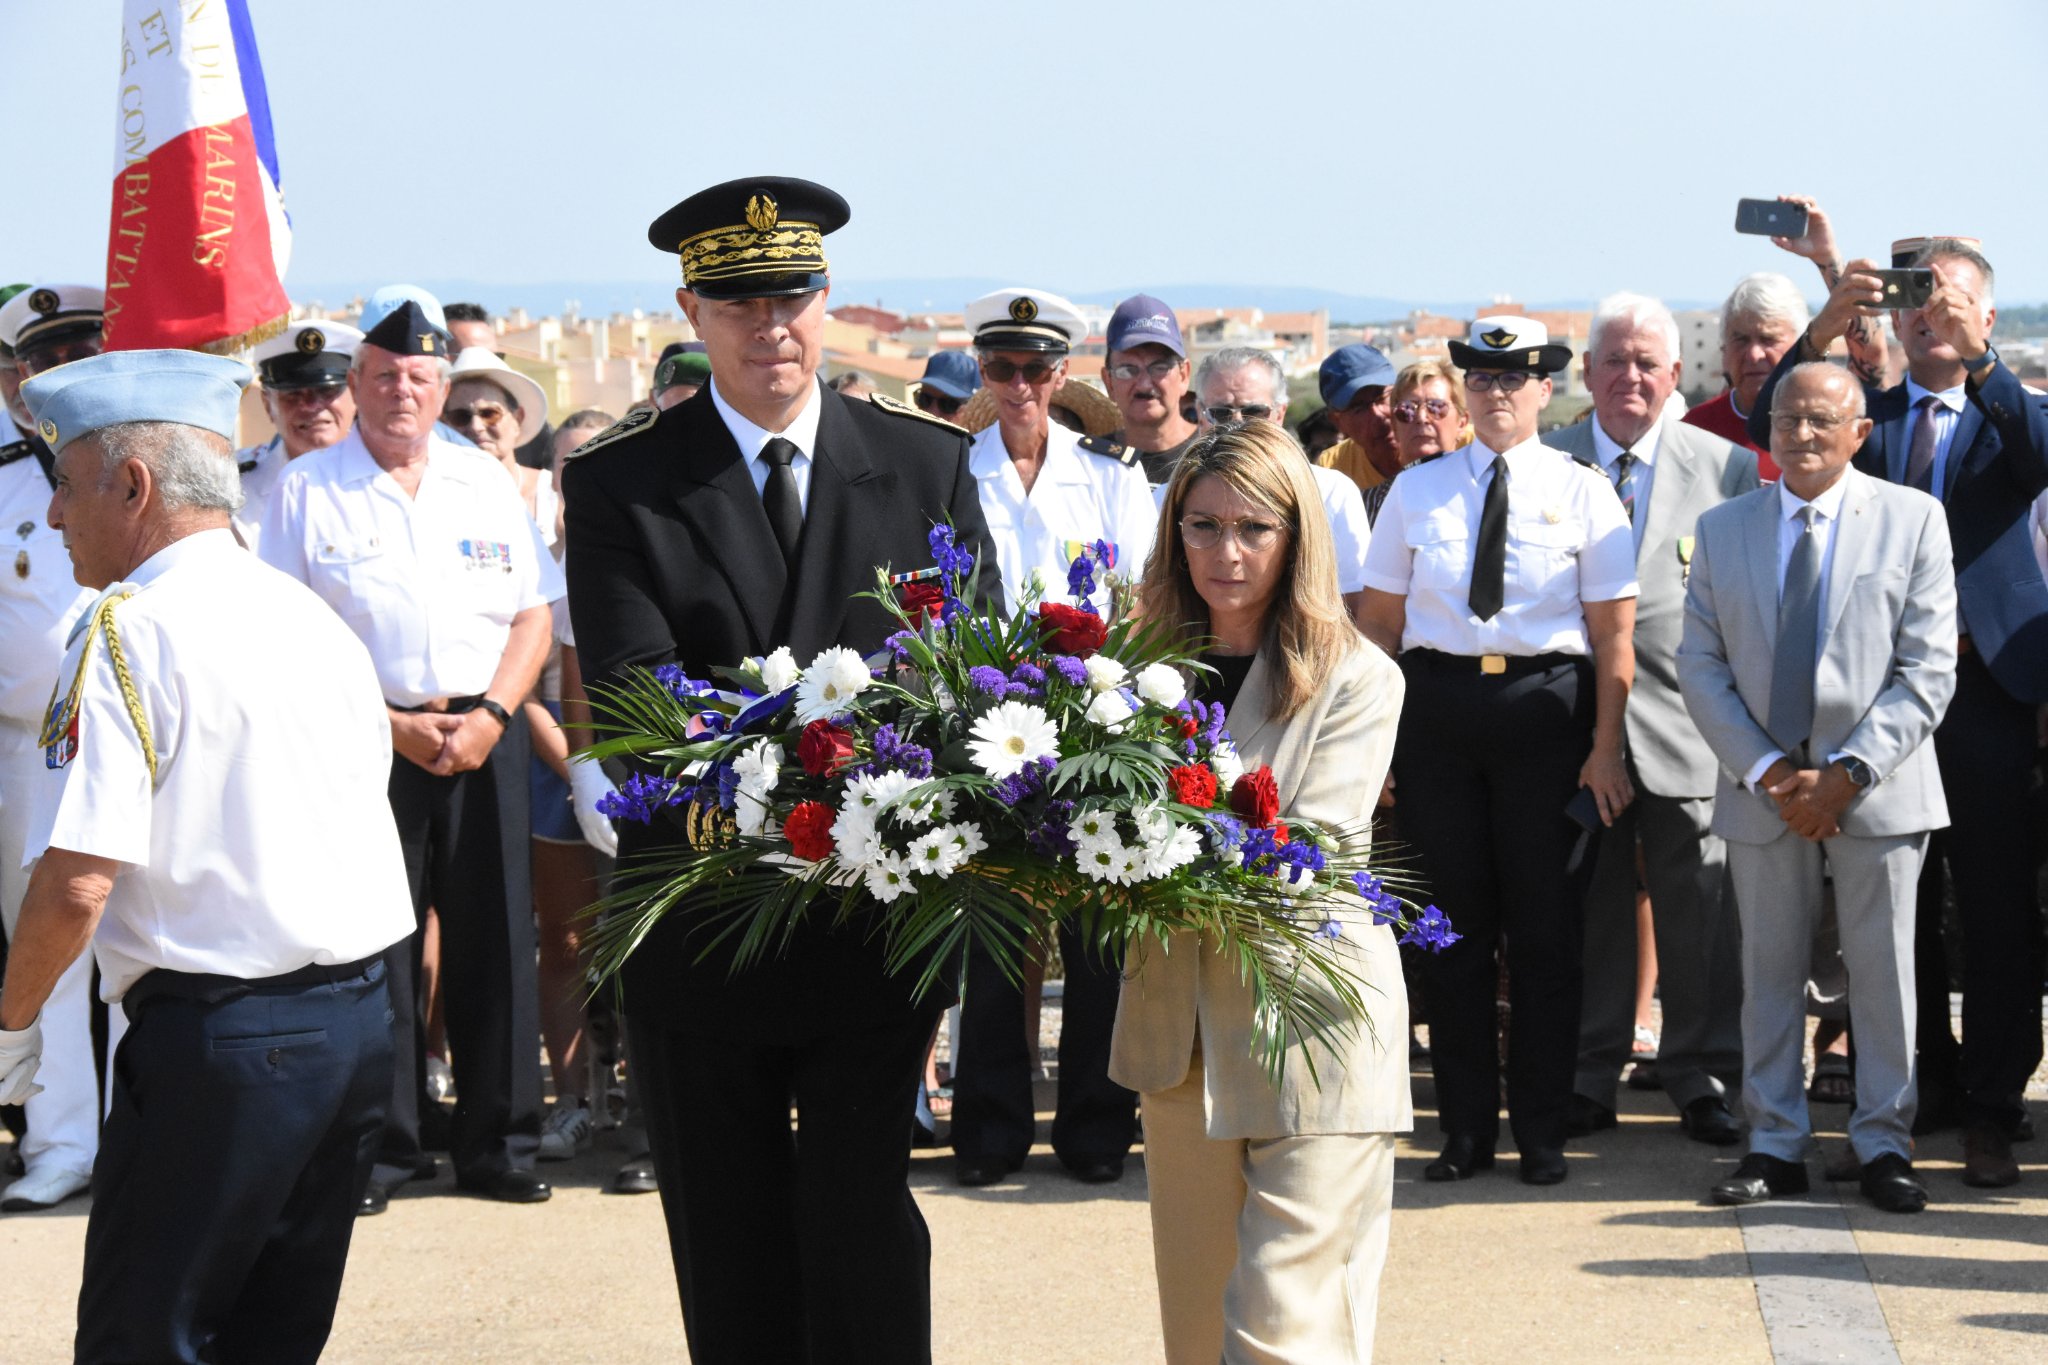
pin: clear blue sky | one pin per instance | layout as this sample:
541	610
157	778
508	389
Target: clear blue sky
1416	151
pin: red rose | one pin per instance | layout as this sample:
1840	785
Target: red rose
1074	631
920	601
809	830
1193	785
824	748
1255	797
1189	728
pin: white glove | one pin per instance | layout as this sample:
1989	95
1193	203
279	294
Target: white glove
21	1052
587	785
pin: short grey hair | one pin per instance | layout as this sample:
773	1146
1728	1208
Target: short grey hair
1765	296
1954	248
190	467
1637	313
1828	369
1233	358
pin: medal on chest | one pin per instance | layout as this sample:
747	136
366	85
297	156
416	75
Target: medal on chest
487	555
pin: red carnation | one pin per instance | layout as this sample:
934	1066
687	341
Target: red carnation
1193	785
1281	833
809	830
1189	727
920	601
1074	631
824	748
1255	797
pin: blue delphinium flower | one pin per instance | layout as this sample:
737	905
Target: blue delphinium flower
1330	929
1226	832
1070	669
954	562
989	680
1050	839
728	786
1081	576
639	797
1259	851
1432	929
679	683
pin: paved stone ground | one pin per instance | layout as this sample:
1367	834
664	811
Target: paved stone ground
1624	1261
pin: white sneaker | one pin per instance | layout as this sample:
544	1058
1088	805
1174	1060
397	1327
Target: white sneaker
44	1189
565	1132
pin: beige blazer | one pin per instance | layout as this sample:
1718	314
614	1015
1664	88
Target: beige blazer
1329	761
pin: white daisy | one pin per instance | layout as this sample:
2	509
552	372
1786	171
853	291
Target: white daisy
1101	863
1109	710
1161	685
1169	855
779	670
931	854
889	877
1011	735
868	794
1104	673
924	808
856	840
835	678
1093	829
967	842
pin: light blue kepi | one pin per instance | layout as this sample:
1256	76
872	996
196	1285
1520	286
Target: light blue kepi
190	388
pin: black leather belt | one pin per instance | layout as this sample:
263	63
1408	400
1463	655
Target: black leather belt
214	989
1491	665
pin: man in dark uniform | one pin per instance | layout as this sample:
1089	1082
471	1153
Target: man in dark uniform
742	520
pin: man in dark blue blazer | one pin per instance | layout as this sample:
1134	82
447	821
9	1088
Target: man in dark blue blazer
1963	428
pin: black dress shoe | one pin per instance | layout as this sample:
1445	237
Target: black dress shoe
973	1172
1889	1183
427	1168
1707	1119
1759	1178
1584	1117
1544	1166
636	1176
1103	1172
509	1187
376	1198
1460	1158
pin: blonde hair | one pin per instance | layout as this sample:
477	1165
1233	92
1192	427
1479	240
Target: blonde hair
1307	630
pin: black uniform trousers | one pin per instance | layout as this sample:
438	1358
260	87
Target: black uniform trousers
747	1200
1986	746
245	1118
467	855
993	1114
1484	766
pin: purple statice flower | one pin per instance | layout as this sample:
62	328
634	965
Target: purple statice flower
639	797
1071	669
1050	839
1187	748
1023	784
893	754
897	649
1019	690
1432	929
1029	674
982	678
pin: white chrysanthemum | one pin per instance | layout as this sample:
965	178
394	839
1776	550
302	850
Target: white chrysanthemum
1010	736
933	807
889	877
1153	824
1102	862
835	677
868	794
1229	767
1094	829
749	812
1104	673
967	842
856	840
759	767
1165	857
1131	867
1162	685
932	854
1110	710
779	670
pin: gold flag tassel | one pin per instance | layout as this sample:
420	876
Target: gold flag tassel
57	720
255	336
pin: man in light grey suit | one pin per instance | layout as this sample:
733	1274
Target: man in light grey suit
1666	474
1819	654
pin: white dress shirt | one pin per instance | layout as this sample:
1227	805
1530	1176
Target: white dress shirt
1568	544
802	433
1078	497
1645	452
1948	410
431	582
265	842
39	599
1827	514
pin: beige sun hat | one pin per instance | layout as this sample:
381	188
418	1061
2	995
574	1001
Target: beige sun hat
481	362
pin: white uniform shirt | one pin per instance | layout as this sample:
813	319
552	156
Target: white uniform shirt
1350	528
430	583
1078	498
260	467
266	841
1567	544
39	599
802	432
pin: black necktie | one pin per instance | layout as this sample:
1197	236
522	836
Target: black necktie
1490	557
785	509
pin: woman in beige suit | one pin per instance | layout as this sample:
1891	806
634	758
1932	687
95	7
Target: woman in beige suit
1269	1201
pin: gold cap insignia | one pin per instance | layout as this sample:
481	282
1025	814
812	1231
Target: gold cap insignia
48	431
1500	338
430	343
1023	310
44	301
762	213
1535	356
312	341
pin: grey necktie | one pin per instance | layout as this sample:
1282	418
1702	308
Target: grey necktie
1920	454
1625	483
1794	661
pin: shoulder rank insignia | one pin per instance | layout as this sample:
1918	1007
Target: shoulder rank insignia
888	404
617	431
1110	448
15	450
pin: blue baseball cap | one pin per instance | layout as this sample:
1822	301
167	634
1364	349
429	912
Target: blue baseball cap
1349	369
190	388
952	373
1142	320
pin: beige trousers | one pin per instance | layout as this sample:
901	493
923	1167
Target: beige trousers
1268	1250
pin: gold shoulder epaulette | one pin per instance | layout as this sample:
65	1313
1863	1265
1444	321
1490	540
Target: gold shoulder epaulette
1109	448
888	404
619	430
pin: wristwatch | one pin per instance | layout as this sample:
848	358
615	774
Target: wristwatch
1982	362
495	711
1859	772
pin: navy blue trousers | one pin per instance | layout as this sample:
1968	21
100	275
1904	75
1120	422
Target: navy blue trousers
245	1119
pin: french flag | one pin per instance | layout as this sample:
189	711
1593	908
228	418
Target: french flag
197	251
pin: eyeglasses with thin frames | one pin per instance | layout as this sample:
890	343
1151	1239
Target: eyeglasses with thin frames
1789	422
1157	369
1511	381
1206	533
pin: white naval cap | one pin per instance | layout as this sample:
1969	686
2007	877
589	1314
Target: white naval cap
1025	320
307	355
50	312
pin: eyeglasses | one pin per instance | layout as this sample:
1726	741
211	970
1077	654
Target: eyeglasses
1221	413
1789	422
1479	381
1206	533
1003	371
1412	409
931	400
1158	369
490	414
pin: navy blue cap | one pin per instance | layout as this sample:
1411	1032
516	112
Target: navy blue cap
1349	369
1142	320
190	388
952	373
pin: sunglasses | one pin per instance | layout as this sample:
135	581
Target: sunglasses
931	400
1248	412
1412	409
490	414
1157	369
1479	381
1001	371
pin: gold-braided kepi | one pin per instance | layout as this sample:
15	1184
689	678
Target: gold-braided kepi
761	237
